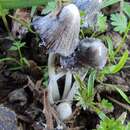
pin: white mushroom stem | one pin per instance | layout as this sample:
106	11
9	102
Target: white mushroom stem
53	90
64	108
68	82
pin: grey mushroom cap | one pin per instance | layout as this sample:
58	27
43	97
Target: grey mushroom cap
60	32
87	5
92	52
91	8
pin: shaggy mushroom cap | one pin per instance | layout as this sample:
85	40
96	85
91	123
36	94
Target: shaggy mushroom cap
91	8
87	5
59	32
92	52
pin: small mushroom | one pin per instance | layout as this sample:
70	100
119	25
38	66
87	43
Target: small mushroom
59	32
91	9
92	52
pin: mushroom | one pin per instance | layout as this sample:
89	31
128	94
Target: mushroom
91	8
92	52
59	32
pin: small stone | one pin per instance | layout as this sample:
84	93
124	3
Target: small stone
7	119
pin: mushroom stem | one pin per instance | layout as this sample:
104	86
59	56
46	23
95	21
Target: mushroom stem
53	86
68	82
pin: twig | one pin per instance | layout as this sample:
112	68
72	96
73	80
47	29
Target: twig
47	110
127	107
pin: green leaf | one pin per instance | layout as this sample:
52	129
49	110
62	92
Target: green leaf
106	3
13	48
120	65
19	44
126	8
90	85
50	7
3	11
105	104
101	22
111	124
110	48
25	61
116	68
33	9
11	4
128	126
102	115
124	96
7	59
79	81
119	21
82	13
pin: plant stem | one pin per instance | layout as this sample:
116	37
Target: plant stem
21	57
10	59
121	6
5	23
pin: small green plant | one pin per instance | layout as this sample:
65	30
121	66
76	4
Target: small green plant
112	124
119	21
85	95
17	45
101	23
112	69
111	56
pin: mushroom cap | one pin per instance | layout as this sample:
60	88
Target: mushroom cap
91	9
60	32
92	52
87	5
64	110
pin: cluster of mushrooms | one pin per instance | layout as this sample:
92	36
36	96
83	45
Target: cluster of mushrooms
59	32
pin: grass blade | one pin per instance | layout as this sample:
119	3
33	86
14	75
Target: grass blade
90	86
11	4
124	96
